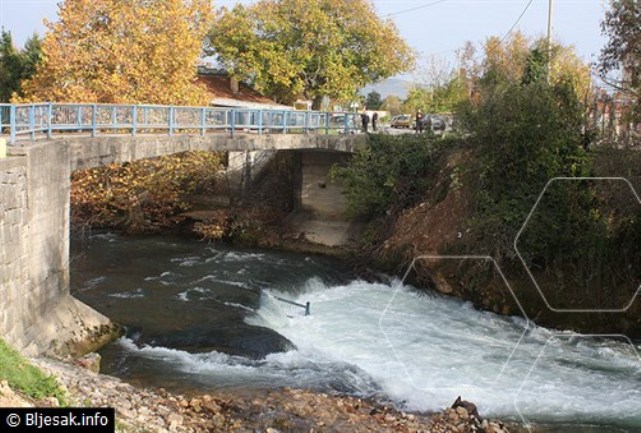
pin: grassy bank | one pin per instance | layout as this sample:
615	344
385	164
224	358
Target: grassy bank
25	378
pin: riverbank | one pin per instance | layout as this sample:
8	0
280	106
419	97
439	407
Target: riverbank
284	410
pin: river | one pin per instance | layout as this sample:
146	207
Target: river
203	317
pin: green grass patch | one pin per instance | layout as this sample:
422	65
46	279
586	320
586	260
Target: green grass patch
26	378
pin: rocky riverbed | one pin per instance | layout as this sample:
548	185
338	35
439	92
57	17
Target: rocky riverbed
285	410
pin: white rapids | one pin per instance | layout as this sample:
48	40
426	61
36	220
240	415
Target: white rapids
422	351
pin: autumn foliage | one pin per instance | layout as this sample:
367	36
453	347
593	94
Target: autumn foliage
142	196
512	59
308	48
114	51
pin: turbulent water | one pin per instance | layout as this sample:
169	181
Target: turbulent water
203	317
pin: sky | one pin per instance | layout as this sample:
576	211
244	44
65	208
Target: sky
431	27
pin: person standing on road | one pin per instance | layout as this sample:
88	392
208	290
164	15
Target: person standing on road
365	120
419	121
374	121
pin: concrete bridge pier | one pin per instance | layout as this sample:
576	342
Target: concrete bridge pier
315	192
37	313
245	166
322	205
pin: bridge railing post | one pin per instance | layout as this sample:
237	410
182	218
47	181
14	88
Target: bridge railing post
114	117
346	121
79	117
49	120
232	121
94	119
327	116
32	121
306	122
134	119
285	122
171	120
260	122
203	120
12	124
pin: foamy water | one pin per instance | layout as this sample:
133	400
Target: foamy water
423	351
184	299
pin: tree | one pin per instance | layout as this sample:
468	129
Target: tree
308	48
392	104
111	51
10	67
519	60
525	125
373	101
536	66
31	56
622	52
144	195
16	66
417	98
442	99
445	98
505	60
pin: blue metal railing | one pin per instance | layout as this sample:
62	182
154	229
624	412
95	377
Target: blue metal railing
30	121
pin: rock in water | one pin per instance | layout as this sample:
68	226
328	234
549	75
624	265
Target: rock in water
91	362
470	407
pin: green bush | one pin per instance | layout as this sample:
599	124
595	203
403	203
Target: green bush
579	240
524	135
390	174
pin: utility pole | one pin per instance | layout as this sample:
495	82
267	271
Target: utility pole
549	38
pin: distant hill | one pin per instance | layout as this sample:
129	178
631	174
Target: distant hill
390	86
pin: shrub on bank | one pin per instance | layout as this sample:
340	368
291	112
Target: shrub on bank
518	136
390	174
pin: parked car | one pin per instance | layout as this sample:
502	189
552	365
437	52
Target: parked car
337	121
434	122
402	121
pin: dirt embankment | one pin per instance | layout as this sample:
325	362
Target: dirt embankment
438	235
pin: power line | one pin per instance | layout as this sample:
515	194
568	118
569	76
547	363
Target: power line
527	6
434	3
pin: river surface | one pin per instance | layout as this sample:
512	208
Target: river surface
201	318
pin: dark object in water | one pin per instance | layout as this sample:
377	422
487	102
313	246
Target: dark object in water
305	307
469	407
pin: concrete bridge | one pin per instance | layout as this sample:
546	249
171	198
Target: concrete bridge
49	141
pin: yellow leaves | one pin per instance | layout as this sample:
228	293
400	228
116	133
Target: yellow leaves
310	48
135	51
509	60
567	66
212	231
105	196
508	57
